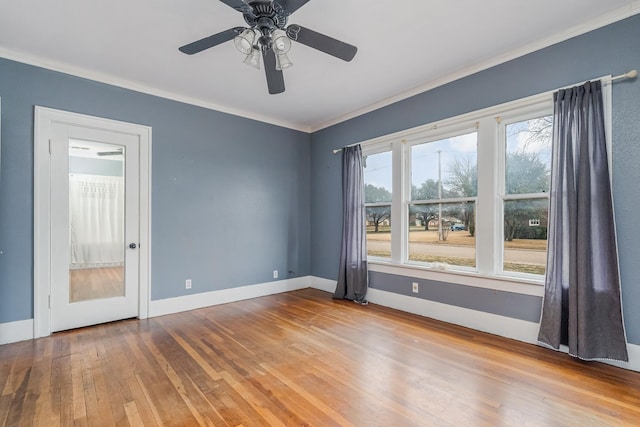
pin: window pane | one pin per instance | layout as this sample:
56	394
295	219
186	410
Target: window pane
449	240
377	180
377	177
445	168
528	156
379	231
525	235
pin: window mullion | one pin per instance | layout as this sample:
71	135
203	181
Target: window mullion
437	201
526	196
398	207
487	234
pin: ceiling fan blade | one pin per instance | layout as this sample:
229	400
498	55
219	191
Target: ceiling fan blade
211	41
323	43
239	5
275	80
289	6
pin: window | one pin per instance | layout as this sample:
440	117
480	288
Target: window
378	198
527	174
471	196
444	186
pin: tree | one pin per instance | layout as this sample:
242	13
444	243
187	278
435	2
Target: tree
517	214
538	132
525	174
463	179
377	214
463	182
373	194
425	213
427	191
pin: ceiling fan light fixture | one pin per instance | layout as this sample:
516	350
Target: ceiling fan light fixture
268	35
253	58
244	41
280	42
282	61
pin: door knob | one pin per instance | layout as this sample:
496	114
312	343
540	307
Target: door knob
132	245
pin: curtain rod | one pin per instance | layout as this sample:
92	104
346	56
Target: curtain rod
628	75
631	74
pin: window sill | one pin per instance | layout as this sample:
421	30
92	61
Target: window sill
518	285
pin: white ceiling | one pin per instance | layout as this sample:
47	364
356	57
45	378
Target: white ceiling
404	47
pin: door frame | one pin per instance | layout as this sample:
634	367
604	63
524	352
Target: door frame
43	119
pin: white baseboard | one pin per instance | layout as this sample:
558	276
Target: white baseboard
326	285
206	299
20	330
634	359
507	327
491	323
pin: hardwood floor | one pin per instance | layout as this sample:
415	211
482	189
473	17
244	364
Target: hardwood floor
95	283
301	358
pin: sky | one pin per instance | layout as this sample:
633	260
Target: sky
424	160
424	157
519	138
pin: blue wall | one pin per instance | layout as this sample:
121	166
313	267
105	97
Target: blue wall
230	196
612	49
234	199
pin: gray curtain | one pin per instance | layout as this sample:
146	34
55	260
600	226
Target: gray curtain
582	303
352	277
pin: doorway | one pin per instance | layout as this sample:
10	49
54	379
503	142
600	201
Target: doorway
91	219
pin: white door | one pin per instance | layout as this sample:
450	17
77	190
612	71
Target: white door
94	226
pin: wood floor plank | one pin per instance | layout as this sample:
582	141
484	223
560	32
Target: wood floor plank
157	419
301	358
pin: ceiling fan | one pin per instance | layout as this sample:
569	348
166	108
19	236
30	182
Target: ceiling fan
269	37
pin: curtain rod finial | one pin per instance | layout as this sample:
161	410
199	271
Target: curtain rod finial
632	74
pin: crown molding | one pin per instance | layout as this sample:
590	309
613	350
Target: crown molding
599	22
96	76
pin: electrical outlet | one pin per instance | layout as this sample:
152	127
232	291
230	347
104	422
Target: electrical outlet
187	284
414	287
275	274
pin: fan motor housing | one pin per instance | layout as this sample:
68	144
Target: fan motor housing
267	16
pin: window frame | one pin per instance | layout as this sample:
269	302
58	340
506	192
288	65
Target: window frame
489	221
438	133
370	150
516	116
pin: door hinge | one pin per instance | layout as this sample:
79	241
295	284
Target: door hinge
49	301
49	147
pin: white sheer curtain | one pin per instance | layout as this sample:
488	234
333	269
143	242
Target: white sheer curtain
96	210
